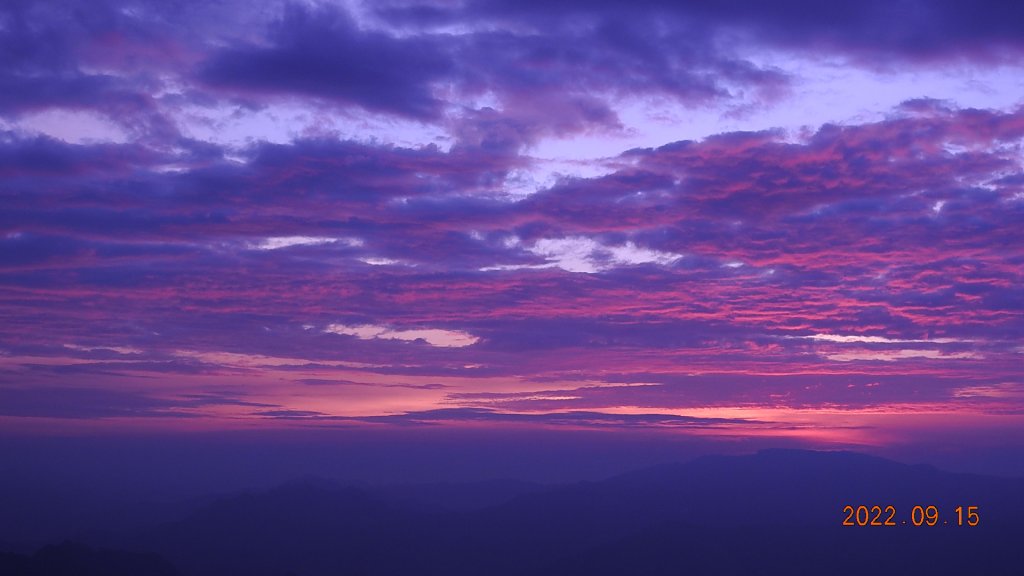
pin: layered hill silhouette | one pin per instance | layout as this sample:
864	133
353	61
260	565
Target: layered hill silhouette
776	512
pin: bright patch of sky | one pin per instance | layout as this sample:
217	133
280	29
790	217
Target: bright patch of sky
72	126
823	93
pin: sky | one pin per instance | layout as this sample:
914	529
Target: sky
720	223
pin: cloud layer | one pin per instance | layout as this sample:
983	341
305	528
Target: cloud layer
705	285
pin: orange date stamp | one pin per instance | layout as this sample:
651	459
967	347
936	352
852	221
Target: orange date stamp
919	516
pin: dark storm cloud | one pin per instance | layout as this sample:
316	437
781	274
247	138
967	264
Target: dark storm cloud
54	54
44	157
555	68
322	53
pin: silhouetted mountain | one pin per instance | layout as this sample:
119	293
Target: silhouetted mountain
433	497
300	528
70	559
776	512
39	511
774	487
453	496
781	512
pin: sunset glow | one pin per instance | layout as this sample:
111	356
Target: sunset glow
716	224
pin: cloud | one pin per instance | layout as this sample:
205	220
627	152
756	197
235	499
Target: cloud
278	242
90	403
894	355
561	419
339	382
290	414
1000	391
586	255
571	254
121	350
841	338
380	261
431	336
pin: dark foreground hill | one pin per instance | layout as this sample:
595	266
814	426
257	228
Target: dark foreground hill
71	559
776	512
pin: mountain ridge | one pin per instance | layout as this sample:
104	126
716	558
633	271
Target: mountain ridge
775	504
